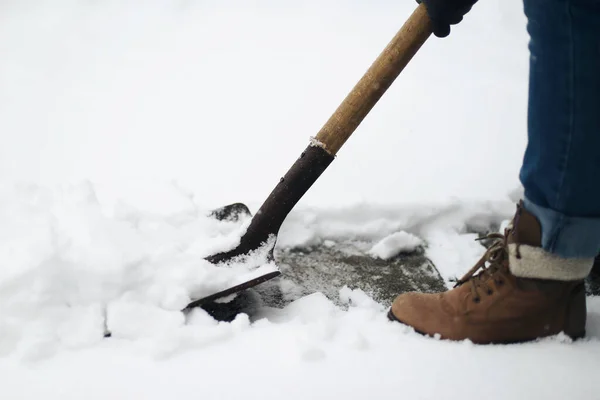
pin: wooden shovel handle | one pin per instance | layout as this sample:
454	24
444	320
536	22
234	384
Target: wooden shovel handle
376	81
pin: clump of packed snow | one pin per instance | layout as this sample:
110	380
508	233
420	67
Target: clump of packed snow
394	244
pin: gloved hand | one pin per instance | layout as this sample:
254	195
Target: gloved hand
444	13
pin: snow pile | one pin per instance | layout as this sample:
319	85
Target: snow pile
310	226
71	272
395	244
74	269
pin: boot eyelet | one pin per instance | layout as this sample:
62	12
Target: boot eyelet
476	300
490	292
499	282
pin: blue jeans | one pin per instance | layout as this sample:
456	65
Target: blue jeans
561	167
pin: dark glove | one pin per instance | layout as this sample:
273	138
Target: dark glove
444	13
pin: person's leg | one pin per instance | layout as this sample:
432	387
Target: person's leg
529	284
561	167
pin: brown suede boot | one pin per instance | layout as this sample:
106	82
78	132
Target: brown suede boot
492	305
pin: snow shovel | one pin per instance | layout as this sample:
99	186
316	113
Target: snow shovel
322	149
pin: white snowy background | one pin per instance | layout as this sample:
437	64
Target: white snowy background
123	122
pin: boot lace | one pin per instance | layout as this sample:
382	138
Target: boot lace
490	266
494	262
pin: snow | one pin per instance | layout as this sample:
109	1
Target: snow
83	272
71	272
311	350
395	244
124	125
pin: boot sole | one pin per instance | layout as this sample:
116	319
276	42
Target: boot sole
393	318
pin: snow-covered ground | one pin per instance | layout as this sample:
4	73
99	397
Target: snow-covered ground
123	123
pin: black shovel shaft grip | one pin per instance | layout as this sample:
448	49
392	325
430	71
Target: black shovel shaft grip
290	189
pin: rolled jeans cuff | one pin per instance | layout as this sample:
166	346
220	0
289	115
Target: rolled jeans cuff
565	236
